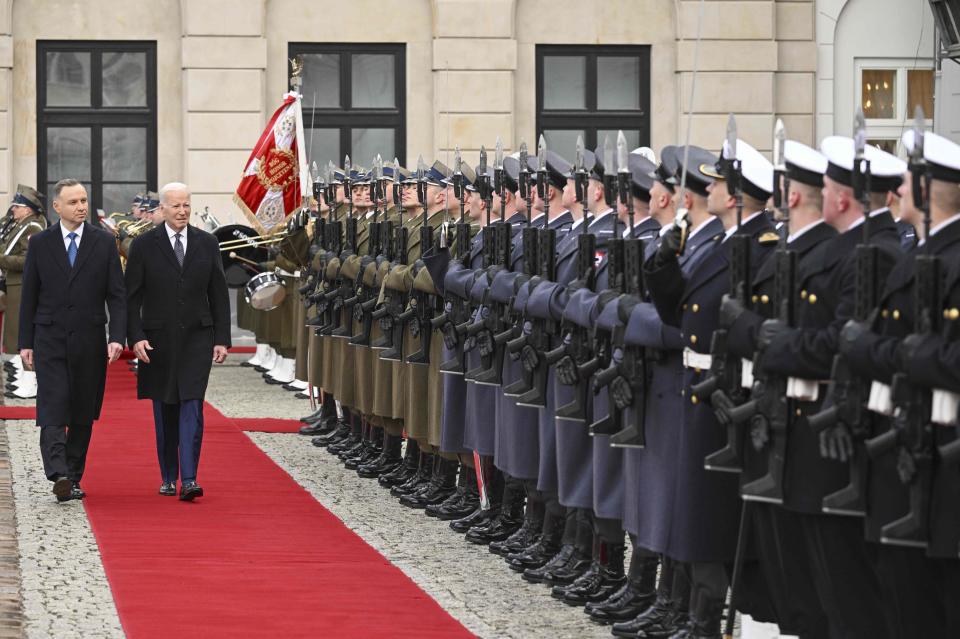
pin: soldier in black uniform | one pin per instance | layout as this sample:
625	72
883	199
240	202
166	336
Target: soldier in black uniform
912	583
840	561
776	532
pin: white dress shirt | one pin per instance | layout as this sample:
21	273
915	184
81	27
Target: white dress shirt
66	240
171	234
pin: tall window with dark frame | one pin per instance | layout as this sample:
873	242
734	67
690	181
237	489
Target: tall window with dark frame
97	118
353	101
592	91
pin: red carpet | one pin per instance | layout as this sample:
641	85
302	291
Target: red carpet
19	412
257	557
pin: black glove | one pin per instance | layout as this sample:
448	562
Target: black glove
730	309
621	393
836	443
485	342
769	331
852	331
450	339
721	404
567	373
670	245
529	358
907	351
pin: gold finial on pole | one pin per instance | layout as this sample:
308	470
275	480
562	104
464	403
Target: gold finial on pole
296	73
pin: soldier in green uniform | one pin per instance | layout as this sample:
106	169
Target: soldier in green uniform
24	219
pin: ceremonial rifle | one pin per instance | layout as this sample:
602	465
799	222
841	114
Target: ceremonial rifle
394	301
398	254
538	333
366	298
848	393
768	411
491	314
722	385
626	373
455	319
912	427
574	348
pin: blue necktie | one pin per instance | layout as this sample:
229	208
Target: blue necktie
72	249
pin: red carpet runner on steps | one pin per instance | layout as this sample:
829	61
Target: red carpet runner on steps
257	557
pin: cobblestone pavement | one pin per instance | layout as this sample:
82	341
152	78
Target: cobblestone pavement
11	609
472	584
64	588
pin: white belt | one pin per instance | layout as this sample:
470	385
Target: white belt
693	359
880	400
944	408
746	373
805	390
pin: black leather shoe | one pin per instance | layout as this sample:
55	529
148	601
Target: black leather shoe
476	518
319	427
659	621
578	563
168	489
62	487
625	604
338	434
190	491
76	492
526	536
418	480
594	585
535	575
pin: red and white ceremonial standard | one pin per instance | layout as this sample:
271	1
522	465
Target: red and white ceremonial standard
275	178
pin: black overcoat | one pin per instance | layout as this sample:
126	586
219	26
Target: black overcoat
62	314
183	312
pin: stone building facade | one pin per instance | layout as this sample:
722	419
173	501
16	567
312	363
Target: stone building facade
470	68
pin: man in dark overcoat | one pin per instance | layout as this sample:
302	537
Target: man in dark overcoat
72	273
178	323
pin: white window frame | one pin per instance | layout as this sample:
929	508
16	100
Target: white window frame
883	128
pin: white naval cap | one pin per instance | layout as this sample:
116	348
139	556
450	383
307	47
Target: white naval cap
757	171
942	155
646	152
886	171
803	164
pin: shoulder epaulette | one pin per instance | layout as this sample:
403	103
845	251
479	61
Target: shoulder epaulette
769	237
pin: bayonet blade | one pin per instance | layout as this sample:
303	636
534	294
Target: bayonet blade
542	153
918	122
523	157
421	169
456	160
396	171
732	137
779	139
346	166
314	172
607	155
498	154
483	160
579	160
622	153
859	133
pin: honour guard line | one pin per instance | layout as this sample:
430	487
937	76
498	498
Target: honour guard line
670	387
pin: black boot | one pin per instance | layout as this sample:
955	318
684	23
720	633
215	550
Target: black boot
548	545
419	479
407	468
506	522
494	486
462	502
635	596
528	534
348	442
326	409
581	535
669	613
603	578
443	483
535	575
705	620
387	460
368	452
340	432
